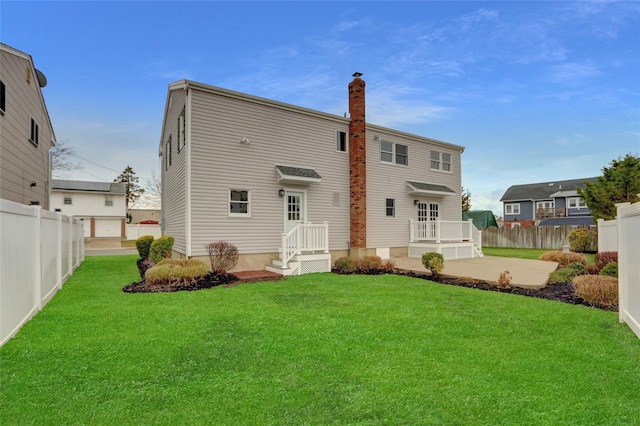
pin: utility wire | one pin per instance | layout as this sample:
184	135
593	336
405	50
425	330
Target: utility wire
93	162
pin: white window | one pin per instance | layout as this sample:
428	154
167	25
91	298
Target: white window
108	201
512	208
33	135
239	202
576	203
544	205
67	200
440	161
394	153
341	141
167	153
181	130
390	207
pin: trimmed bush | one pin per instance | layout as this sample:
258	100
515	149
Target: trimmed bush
161	248
369	264
433	261
611	270
143	244
222	256
173	272
603	258
596	289
345	265
563	258
583	240
565	275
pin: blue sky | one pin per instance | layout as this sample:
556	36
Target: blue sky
535	91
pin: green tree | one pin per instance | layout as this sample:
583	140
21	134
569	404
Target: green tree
619	183
466	200
134	190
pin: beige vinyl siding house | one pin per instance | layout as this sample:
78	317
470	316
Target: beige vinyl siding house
26	133
257	172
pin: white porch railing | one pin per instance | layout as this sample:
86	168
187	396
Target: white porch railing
304	237
444	231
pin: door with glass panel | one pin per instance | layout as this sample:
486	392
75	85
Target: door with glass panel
294	209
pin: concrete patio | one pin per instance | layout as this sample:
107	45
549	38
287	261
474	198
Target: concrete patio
526	273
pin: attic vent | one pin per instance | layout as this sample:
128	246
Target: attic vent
552	183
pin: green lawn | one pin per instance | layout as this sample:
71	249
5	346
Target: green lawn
523	253
318	349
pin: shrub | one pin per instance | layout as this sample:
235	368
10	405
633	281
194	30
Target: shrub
345	264
369	264
603	258
161	248
143	244
583	240
504	280
611	270
389	265
565	275
173	272
596	289
592	269
563	258
433	261
222	256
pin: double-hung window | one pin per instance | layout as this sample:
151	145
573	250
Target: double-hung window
394	153
3	97
68	200
167	153
239	202
390	204
108	201
512	208
33	133
181	130
440	161
576	203
341	141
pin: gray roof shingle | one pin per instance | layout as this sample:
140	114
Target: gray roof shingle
542	190
422	186
89	186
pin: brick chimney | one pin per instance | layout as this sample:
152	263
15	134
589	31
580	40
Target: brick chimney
357	168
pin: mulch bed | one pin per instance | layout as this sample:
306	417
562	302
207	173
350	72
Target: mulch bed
209	281
560	292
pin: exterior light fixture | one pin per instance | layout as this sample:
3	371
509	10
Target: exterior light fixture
281	193
33	184
245	141
415	202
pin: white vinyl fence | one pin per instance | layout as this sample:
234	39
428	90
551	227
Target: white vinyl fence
137	230
607	235
628	224
39	250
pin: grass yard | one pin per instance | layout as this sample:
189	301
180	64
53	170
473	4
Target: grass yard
524	253
318	349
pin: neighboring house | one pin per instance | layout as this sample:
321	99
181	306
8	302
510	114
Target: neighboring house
144	215
546	203
102	206
26	133
297	187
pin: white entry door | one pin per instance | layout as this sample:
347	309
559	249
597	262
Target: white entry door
295	209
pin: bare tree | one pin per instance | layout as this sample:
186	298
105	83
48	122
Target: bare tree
60	154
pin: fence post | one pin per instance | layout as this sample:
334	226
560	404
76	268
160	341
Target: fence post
59	253
37	282
326	236
623	297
